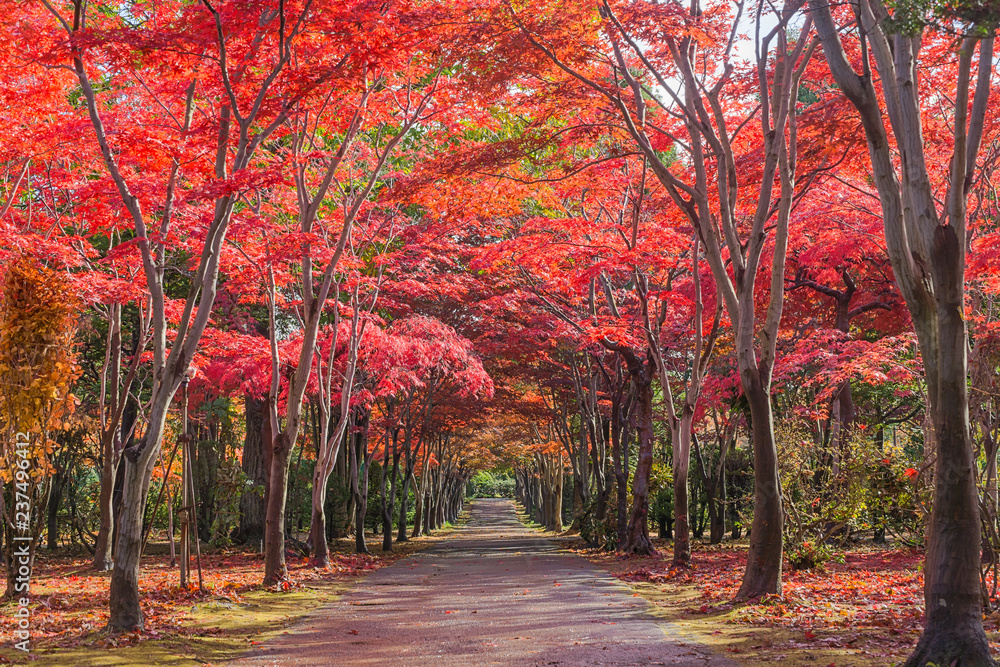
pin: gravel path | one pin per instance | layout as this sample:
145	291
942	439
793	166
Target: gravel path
493	593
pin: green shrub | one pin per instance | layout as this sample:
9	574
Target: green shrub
487	484
812	556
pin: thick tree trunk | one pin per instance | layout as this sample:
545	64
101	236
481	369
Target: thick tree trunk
136	474
763	573
205	470
637	537
928	262
953	626
252	507
126	613
275	570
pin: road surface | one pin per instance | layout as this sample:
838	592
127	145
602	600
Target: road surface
493	593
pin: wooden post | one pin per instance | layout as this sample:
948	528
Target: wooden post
170	522
184	514
194	524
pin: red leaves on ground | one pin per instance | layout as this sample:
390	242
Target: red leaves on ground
871	588
69	601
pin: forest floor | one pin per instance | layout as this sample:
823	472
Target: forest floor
866	610
69	606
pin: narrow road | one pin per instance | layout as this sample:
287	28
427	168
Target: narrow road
493	593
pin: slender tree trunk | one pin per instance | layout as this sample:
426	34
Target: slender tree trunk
52	507
389	504
618	434
682	462
718	500
557	495
418	510
338	515
404	501
428	511
360	466
422	507
103	560
317	525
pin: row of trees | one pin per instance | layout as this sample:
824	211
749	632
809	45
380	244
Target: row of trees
639	218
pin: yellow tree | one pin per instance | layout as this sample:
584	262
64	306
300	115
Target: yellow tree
38	315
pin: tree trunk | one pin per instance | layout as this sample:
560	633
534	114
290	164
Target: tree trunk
112	479
418	508
252	507
428	511
555	520
718	507
763	573
275	570
953	626
360	466
52	508
598	458
126	613
338	515
618	434
103	560
317	527
404	501
682	462
637	537
389	504
928	260
205	471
